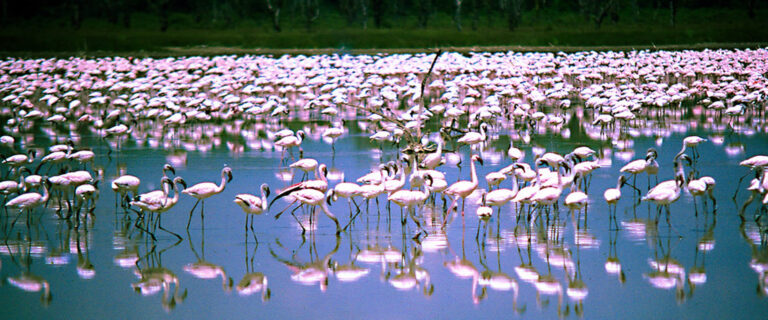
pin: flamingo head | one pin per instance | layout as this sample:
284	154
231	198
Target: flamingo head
477	158
180	180
651	154
168	167
265	188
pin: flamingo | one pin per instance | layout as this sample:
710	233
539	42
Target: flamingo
28	201
691	142
158	201
347	190
52	158
204	190
612	195
291	141
320	183
583	152
634	168
701	186
495	178
664	194
576	199
315	198
434	159
501	196
306	165
514	153
333	134
652	167
409	198
81	156
464	188
18	160
253	205
124	184
253	282
472	138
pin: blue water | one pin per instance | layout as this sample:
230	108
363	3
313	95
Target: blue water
731	287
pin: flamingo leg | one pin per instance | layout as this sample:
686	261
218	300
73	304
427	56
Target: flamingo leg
191	212
160	225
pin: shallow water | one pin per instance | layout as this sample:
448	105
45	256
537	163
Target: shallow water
566	247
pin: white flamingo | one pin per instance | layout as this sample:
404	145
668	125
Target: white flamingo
691	142
28	201
665	194
320	183
472	138
124	184
434	159
316	198
253	205
307	165
291	141
204	190
464	188
612	195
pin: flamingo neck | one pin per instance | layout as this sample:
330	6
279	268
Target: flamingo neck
45	192
263	200
426	191
175	195
330	215
681	151
515	186
224	285
473	171
223	182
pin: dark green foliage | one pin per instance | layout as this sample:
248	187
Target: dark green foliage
136	26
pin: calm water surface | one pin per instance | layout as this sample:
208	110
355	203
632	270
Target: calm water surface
707	256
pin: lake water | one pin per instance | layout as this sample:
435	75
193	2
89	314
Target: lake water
708	262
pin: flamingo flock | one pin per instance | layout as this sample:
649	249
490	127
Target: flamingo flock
422	126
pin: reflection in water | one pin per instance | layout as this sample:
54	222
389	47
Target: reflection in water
21	253
668	273
311	273
252	281
203	269
153	278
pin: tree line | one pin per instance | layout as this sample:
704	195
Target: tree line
357	13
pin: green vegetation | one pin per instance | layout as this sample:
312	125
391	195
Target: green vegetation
544	30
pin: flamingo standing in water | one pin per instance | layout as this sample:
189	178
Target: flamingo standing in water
28	201
462	189
691	142
204	190
612	195
253	205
